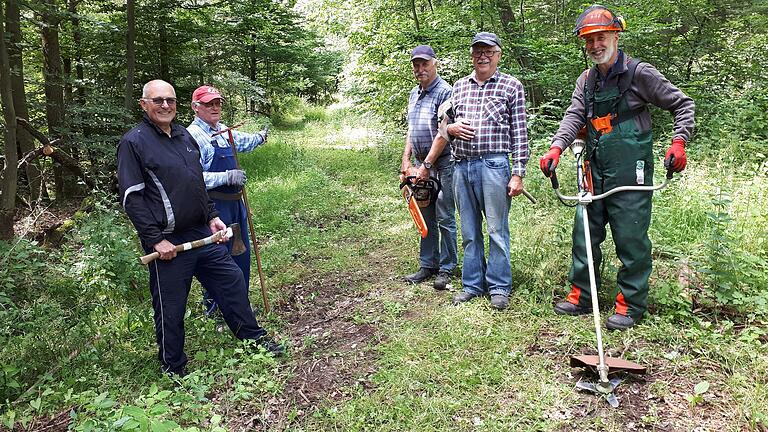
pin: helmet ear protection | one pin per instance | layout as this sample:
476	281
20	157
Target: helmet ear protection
618	20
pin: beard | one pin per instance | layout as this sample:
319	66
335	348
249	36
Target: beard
605	57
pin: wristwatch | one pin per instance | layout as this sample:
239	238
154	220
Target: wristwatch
427	164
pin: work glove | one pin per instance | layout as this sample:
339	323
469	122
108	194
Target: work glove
235	177
675	157
550	158
264	132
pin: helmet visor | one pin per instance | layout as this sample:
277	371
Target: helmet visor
596	19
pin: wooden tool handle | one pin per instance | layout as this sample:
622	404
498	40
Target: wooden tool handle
146	259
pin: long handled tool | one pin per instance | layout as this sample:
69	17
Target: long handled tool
604	365
254	242
231	231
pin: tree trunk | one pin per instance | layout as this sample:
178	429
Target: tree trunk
415	17
130	58
77	38
515	34
24	139
252	76
9	172
163	50
54	91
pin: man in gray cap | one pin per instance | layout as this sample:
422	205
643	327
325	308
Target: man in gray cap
490	150
437	252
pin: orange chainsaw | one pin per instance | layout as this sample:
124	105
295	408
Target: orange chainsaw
418	195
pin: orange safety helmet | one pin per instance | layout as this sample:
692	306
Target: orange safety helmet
598	18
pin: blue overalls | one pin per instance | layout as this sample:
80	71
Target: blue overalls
230	211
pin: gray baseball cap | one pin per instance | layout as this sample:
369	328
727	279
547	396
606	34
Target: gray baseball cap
423	52
486	38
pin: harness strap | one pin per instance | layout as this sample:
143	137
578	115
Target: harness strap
624	85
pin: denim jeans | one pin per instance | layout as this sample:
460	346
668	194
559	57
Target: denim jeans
438	250
480	187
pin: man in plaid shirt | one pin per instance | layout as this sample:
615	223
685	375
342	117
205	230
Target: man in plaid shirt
490	150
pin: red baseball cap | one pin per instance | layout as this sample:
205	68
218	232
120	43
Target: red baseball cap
205	94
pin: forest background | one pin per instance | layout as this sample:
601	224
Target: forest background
72	70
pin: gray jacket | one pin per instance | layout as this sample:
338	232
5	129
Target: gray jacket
648	86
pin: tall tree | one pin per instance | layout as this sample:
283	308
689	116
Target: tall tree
9	172
16	63
130	55
54	86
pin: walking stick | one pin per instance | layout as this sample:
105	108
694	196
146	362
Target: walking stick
250	219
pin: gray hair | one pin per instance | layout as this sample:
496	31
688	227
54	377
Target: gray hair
150	84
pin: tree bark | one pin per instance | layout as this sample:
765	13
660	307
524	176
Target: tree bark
130	57
54	88
8	184
415	16
15	61
77	38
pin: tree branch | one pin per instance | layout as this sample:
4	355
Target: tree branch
49	150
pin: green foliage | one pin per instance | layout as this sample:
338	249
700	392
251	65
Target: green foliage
735	278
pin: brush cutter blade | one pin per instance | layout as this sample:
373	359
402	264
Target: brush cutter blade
602	389
614	364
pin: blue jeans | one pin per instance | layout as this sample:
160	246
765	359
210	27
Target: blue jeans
480	186
438	250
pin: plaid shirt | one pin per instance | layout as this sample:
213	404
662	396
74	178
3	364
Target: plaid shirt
422	116
497	111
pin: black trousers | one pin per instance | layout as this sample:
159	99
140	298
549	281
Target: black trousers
170	282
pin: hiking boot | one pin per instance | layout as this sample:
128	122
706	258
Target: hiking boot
420	276
568	308
499	301
442	280
178	373
619	322
463	297
278	350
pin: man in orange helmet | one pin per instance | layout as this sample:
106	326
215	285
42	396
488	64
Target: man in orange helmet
611	99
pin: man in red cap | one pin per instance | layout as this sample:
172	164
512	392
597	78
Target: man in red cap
222	178
611	99
163	194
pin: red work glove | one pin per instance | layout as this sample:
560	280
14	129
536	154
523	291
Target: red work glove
549	160
675	157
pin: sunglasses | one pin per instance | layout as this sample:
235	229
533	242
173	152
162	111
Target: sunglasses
159	101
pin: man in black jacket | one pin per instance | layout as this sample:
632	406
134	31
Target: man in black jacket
163	193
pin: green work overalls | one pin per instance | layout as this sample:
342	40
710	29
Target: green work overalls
622	157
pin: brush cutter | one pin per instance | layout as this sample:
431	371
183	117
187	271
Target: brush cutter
600	363
417	195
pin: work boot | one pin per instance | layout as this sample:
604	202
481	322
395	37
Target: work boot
269	345
177	373
463	297
619	322
499	301
442	280
568	308
420	276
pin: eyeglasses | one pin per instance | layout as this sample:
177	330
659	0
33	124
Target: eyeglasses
486	53
159	101
214	103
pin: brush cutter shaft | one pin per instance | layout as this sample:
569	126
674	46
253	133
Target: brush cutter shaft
601	368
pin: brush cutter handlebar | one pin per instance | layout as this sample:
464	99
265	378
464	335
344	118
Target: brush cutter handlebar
587	197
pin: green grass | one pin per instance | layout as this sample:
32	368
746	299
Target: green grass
325	202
